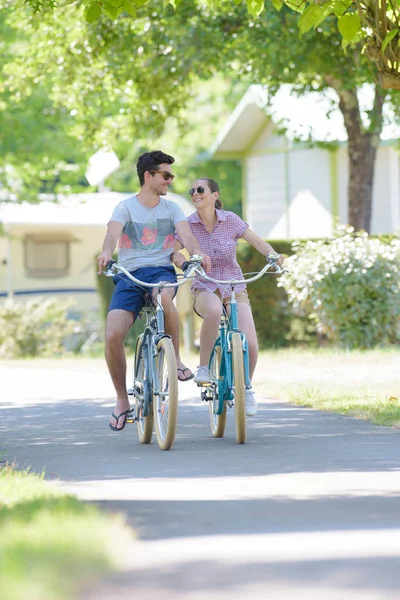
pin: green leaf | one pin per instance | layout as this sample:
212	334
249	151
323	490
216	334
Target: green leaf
129	8
296	5
277	4
255	7
388	38
313	16
340	7
344	45
93	12
349	26
110	10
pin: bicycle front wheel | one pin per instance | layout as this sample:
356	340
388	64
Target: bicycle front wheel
142	393
217	422
239	387
165	399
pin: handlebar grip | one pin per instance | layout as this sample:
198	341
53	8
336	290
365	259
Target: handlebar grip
185	265
273	257
110	264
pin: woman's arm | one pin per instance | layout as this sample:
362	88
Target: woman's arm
259	244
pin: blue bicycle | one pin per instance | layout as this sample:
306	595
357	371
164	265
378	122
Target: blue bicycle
229	361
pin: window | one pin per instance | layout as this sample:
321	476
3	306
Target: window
47	256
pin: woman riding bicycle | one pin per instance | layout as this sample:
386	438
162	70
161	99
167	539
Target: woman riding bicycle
217	232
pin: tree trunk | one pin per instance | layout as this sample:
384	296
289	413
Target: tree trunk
361	154
362	147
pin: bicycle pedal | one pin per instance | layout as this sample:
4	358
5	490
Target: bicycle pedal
130	419
130	392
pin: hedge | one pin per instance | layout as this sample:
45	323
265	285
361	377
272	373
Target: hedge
276	323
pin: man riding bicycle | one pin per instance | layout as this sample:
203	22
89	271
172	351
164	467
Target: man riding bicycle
145	225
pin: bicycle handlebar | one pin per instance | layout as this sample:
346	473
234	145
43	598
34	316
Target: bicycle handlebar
193	267
113	268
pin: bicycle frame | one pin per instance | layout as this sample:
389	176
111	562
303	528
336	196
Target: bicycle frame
229	325
153	332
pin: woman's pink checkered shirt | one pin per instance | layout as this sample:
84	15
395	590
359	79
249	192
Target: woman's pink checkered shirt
220	245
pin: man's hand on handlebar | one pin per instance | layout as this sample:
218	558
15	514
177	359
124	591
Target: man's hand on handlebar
179	261
102	260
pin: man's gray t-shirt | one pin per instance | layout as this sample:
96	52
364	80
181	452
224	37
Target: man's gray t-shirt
147	238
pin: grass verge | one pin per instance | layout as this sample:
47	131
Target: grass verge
50	542
365	385
373	406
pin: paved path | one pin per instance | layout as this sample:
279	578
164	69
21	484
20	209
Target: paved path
308	508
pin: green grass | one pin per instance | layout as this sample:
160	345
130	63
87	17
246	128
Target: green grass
379	408
365	385
51	543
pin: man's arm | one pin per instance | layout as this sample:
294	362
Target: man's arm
112	236
191	244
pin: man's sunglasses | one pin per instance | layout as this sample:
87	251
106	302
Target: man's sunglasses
166	174
199	190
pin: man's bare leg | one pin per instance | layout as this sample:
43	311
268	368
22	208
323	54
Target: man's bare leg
118	324
172	328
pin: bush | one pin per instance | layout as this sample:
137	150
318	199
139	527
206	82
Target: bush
349	286
33	328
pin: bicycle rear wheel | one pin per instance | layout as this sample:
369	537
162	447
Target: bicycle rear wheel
217	422
240	387
141	387
165	399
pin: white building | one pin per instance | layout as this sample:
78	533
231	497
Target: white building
291	189
49	248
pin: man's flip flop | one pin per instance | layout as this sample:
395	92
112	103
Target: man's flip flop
183	372
127	413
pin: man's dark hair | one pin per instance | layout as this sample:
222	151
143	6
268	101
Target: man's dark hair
150	161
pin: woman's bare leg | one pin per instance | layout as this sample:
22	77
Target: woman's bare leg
208	306
246	324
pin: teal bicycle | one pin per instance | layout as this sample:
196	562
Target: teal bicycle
229	360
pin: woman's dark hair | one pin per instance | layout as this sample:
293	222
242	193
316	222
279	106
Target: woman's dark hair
150	161
214	187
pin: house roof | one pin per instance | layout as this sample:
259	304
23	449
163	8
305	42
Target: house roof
313	115
75	209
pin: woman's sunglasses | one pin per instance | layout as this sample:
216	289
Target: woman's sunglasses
199	190
166	174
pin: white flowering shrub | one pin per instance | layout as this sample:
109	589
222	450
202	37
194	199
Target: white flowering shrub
34	328
349	286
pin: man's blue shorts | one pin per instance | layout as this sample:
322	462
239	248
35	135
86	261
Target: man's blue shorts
132	297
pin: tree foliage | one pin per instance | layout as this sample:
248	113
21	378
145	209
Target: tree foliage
375	23
120	83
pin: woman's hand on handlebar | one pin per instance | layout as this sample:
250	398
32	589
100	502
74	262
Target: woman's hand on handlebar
206	263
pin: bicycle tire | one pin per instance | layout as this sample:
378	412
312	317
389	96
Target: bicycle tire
145	425
217	422
165	407
239	387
